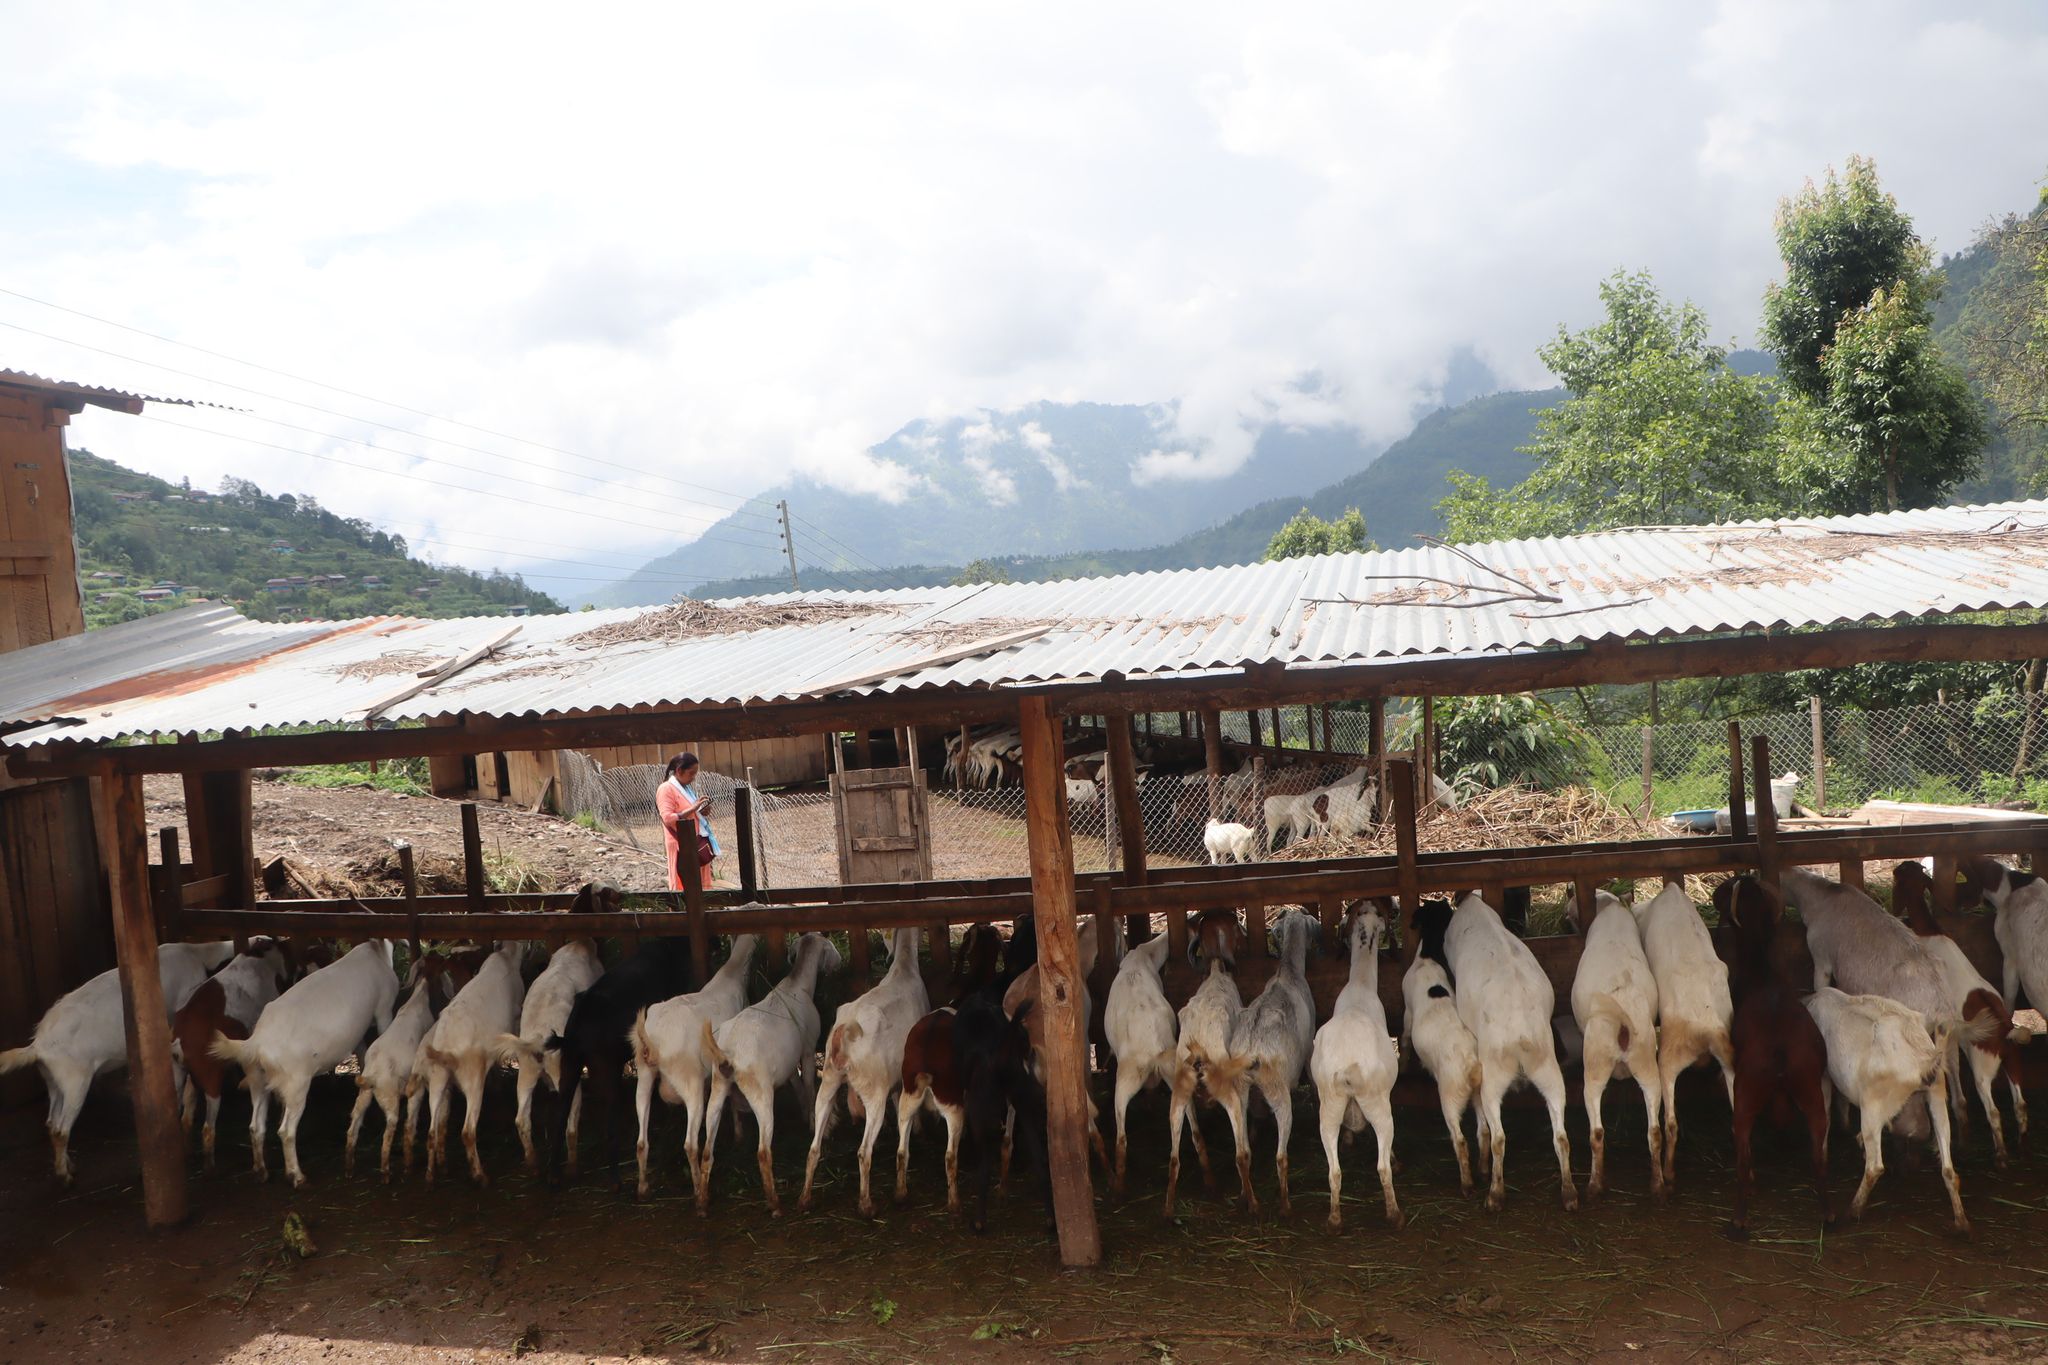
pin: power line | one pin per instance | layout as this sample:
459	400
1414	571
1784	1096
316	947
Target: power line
351	393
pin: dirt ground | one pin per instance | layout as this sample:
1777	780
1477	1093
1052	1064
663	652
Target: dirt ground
410	1275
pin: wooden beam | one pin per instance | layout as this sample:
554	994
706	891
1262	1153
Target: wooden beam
1212	760
1059	968
472	855
743	835
1766	812
409	883
173	903
693	906
124	851
986	645
440	675
1738	816
1820	759
1123	791
1401	776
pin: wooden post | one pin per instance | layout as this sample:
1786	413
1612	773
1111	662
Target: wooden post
1852	872
1820	761
1649	771
863	748
1252	719
1376	750
1255	930
1586	891
472	857
1766	812
409	882
1258	811
1279	730
217	820
693	906
1052	890
173	903
1425	758
743	835
1212	760
124	852
1123	792
1401	777
1944	875
1738	815
1329	912
1329	744
960	766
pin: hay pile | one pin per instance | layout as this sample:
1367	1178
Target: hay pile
687	618
1510	817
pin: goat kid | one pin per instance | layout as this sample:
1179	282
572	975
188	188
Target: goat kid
386	1075
864	1055
230	1001
1205	1025
993	1054
572	969
1506	1000
1140	1027
1229	842
594	1040
668	1051
85	1033
304	1033
1269	1046
461	1048
1694	1008
1614	999
763	1047
1433	1031
1353	1063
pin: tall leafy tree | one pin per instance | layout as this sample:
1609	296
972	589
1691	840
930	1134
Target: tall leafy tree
2003	332
1658	430
1851	326
1309	534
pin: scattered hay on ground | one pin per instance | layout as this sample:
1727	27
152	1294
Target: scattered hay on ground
687	618
1509	817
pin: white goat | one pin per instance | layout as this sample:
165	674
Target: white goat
765	1046
85	1033
865	1055
1880	1057
2019	901
1140	1027
1614	999
304	1033
1269	1045
1082	792
1205	1026
387	1074
1354	1065
1506	1000
1694	1008
462	1046
1228	841
573	969
1433	1032
668	1049
237	992
1294	816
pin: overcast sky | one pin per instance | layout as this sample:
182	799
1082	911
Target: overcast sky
716	243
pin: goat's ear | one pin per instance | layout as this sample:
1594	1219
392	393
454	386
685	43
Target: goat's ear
1724	900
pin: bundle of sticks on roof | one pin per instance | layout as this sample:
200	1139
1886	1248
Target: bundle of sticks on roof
1506	817
686	618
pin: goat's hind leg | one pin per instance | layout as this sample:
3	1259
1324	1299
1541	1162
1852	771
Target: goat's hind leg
1939	1114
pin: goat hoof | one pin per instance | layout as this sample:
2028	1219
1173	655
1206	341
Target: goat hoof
1735	1232
1593	1193
1495	1202
1336	1221
1397	1220
1961	1232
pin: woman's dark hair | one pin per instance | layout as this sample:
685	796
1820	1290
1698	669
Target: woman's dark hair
683	760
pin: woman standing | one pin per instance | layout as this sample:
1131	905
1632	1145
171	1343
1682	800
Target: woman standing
685	821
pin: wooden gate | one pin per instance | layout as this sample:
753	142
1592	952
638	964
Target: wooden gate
884	825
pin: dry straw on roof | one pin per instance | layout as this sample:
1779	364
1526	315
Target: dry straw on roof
687	618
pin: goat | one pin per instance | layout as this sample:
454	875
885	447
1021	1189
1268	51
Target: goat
1020	954
1353	1063
1614	1000
1229	842
1081	792
667	1043
977	963
1139	1025
230	1001
931	1079
1972	996
386	1074
85	1033
1694	1009
1432	1030
993	1052
1205	1024
2019	903
594	1038
572	969
1879	1057
461	1047
1781	1059
304	1033
1023	993
1295	816
763	1047
864	1054
1506	1000
1269	1046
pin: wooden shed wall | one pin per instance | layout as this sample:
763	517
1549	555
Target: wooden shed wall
776	763
55	927
39	593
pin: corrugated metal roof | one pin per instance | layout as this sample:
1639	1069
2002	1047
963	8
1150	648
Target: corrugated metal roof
116	399
206	668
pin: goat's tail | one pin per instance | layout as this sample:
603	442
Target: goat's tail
1222	1075
714	1054
1987	1023
235	1050
1605	1009
510	1047
844	1036
15	1058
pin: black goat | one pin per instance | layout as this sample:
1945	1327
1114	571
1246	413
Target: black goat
595	1037
1020	954
991	1054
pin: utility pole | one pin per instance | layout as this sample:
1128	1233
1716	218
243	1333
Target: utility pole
788	543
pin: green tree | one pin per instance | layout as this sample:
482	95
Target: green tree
1309	534
2003	332
982	571
1658	430
1851	326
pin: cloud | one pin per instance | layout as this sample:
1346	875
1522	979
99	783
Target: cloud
677	252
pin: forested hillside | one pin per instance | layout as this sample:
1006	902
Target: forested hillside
145	545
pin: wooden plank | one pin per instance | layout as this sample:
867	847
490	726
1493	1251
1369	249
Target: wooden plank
466	659
953	654
1401	777
1738	817
699	926
1766	813
409	882
160	1139
1212	760
743	835
1066	1083
1123	791
1820	760
472	855
1255	930
1944	877
1852	872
